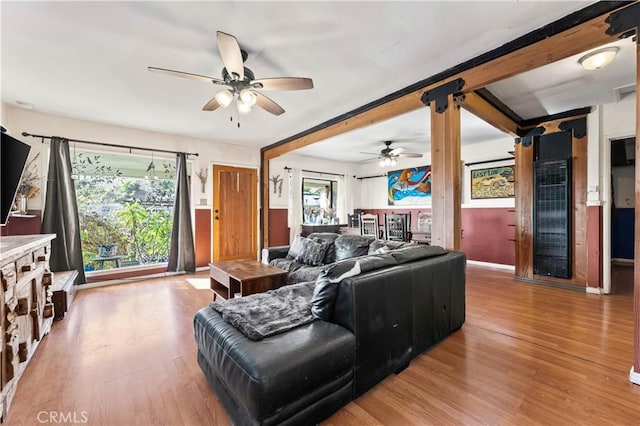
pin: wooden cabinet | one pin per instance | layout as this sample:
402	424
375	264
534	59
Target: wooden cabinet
26	311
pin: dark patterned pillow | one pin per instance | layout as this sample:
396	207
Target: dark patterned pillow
313	252
296	247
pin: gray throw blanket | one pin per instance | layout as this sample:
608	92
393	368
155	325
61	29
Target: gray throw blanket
265	314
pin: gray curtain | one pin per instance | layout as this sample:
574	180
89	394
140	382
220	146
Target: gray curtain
182	256
60	214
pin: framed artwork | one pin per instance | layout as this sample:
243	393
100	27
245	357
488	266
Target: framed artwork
493	182
409	186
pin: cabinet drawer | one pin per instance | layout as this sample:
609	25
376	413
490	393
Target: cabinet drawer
25	264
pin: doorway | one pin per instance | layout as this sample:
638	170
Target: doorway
622	214
235	213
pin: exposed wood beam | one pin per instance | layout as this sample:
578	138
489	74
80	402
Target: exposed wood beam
446	176
573	41
482	109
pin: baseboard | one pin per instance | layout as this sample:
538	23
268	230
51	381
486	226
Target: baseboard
634	377
202	268
491	265
595	290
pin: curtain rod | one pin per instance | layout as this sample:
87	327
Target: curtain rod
369	177
313	171
489	161
138	148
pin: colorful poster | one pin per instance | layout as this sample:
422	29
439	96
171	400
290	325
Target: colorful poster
409	186
493	182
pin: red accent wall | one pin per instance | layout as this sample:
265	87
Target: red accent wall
488	234
203	237
17	225
278	227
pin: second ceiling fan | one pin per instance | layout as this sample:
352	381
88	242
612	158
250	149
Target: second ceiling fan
389	156
241	81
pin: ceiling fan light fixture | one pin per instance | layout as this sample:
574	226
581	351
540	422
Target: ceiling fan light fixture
248	97
224	98
598	58
243	108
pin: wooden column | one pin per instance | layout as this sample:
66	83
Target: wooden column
264	202
446	175
524	211
636	273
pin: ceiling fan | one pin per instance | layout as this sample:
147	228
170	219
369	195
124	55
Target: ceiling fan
241	81
389	156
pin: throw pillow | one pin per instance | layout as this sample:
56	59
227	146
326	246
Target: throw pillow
296	247
313	252
326	289
348	246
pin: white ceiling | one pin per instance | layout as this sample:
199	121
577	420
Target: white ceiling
89	60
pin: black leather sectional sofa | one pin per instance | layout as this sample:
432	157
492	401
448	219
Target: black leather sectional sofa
381	319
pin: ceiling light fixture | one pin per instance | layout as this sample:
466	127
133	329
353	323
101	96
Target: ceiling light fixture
388	161
243	108
224	98
598	58
248	97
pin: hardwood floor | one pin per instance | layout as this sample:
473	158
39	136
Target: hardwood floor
527	354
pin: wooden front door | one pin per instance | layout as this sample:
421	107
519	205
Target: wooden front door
235	213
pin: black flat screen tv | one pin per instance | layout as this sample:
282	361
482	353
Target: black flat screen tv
13	158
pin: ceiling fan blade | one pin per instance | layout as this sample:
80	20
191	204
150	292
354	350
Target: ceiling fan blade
283	83
211	105
409	155
370	160
397	150
185	75
231	54
370	153
267	104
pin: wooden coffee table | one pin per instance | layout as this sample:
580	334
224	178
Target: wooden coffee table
236	278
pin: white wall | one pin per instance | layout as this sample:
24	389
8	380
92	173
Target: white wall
19	120
277	165
373	191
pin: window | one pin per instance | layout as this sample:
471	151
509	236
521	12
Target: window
125	207
319	201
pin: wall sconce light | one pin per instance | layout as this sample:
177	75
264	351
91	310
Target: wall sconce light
598	58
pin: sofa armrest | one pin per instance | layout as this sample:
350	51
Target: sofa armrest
270	253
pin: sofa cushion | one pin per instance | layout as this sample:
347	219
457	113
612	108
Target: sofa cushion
348	246
324	293
326	289
378	246
267	375
296	247
313	251
329	238
286	264
304	273
414	252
